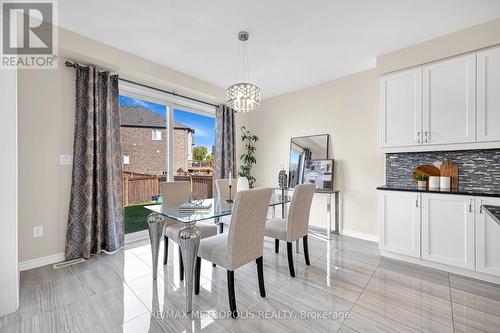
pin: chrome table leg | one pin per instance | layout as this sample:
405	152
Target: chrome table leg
155	227
337	213
189	240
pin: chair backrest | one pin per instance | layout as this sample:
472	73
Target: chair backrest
298	214
222	187
175	193
242	184
246	230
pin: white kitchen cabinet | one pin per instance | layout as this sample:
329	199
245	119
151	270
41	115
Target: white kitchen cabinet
487	238
400	222
488	96
448	229
401	109
449	101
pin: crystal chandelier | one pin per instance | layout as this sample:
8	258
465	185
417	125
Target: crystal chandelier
244	96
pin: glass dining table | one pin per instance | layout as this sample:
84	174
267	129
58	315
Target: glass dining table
190	235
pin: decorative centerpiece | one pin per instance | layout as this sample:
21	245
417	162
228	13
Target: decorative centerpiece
282	179
230	186
421	181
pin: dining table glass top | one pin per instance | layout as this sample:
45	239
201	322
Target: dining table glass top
219	208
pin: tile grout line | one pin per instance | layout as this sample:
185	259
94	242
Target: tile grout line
356	302
451	304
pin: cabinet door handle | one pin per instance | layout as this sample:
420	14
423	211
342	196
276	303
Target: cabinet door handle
470	205
416	202
426	134
480	206
418	137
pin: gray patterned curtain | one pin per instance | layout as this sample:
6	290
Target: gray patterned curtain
224	142
95	221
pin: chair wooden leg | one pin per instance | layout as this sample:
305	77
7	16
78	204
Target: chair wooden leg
306	250
277	246
197	274
230	292
260	274
289	251
165	252
181	265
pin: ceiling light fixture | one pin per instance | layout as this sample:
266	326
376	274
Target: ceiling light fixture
243	96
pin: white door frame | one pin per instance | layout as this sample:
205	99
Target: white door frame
9	278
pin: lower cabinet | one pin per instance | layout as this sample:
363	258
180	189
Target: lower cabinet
400	226
442	228
487	238
448	229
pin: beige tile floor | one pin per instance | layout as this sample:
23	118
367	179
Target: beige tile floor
348	288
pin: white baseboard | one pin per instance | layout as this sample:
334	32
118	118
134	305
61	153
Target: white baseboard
59	257
39	262
360	235
443	267
136	236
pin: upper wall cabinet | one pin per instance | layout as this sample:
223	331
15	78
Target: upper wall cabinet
449	103
488	95
401	109
446	105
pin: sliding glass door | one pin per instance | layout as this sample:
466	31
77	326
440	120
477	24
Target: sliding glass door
193	150
162	138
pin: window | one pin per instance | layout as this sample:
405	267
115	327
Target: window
156	135
161	134
194	140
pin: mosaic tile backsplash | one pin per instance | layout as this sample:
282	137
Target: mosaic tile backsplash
477	169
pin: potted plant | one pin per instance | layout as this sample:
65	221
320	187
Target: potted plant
248	158
421	180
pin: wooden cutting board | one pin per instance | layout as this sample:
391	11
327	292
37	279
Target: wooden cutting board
448	169
426	169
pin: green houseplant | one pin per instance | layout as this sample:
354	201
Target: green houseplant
248	158
421	180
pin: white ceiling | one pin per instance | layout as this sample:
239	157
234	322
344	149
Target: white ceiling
293	43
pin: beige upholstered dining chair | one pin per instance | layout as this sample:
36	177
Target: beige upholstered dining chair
297	224
242	184
222	188
173	195
243	243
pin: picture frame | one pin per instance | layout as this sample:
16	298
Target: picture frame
319	172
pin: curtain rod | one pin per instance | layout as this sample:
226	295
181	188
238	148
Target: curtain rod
173	93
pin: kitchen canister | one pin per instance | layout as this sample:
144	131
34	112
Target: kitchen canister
434	182
444	183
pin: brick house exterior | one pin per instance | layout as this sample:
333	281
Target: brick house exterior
141	153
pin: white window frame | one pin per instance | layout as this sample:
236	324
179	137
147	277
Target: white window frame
156	134
171	102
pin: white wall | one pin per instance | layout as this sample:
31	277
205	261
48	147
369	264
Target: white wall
46	125
467	40
347	109
9	276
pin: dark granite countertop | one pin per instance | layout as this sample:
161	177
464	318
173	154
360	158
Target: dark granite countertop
471	192
493	211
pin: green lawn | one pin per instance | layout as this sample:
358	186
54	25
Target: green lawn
135	217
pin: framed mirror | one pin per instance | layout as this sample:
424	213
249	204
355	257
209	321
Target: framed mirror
303	149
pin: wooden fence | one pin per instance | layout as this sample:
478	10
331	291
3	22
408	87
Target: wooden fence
201	186
138	188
